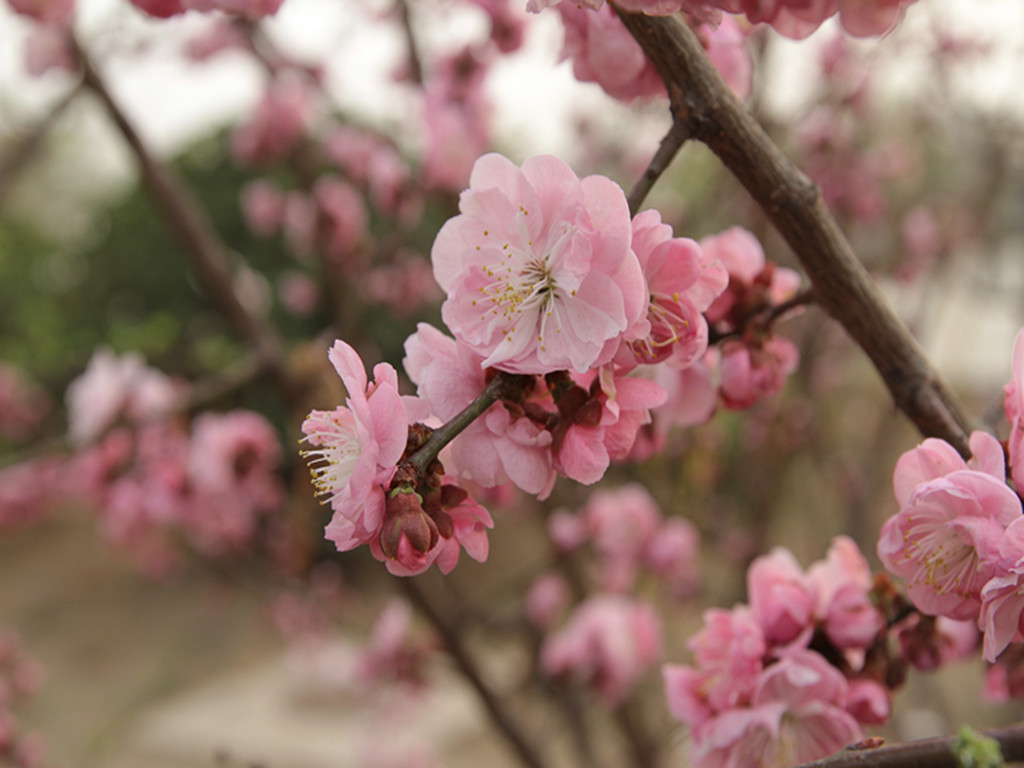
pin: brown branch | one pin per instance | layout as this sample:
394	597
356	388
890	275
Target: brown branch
415	62
27	146
199	241
452	639
667	150
933	753
702	102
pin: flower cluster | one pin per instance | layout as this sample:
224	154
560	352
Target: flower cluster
555	297
784	680
627	533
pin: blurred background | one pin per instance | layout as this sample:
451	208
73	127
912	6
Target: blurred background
245	656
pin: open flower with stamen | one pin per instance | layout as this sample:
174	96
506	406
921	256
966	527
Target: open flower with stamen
538	268
682	283
945	540
354	450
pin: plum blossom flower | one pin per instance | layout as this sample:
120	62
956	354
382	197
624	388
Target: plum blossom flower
797	714
498	447
609	642
839	587
780	596
546	599
945	540
729	651
354	449
600	418
1013	403
682	283
755	371
538	268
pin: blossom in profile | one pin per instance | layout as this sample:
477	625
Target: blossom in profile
683	283
538	269
945	540
354	449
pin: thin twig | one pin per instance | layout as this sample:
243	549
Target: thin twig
200	243
667	150
25	147
452	639
448	432
933	753
702	101
415	62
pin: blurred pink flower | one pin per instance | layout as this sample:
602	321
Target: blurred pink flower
278	123
113	387
23	404
839	585
538	267
780	596
604	52
545	600
608	643
754	372
48	12
263	206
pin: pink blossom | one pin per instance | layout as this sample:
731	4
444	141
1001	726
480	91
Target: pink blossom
945	539
299	293
221	35
930	642
753	283
545	600
609	642
27	491
453	520
343	215
868	702
567	530
112	387
279	122
404	286
621	523
47	12
263	206
162	9
682	283
23	404
780	596
755	372
797	714
727	48
601	422
672	553
538	267
729	652
839	585
799	18
232	462
1002	598
604	52
498	447
253	9
1013	403
354	449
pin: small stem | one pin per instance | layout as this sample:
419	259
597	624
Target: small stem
928	753
415	64
455	646
766	318
667	150
446	433
189	223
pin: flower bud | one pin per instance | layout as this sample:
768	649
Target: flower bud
404	516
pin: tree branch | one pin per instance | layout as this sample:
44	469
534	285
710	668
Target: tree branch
667	150
703	103
933	753
199	241
494	706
